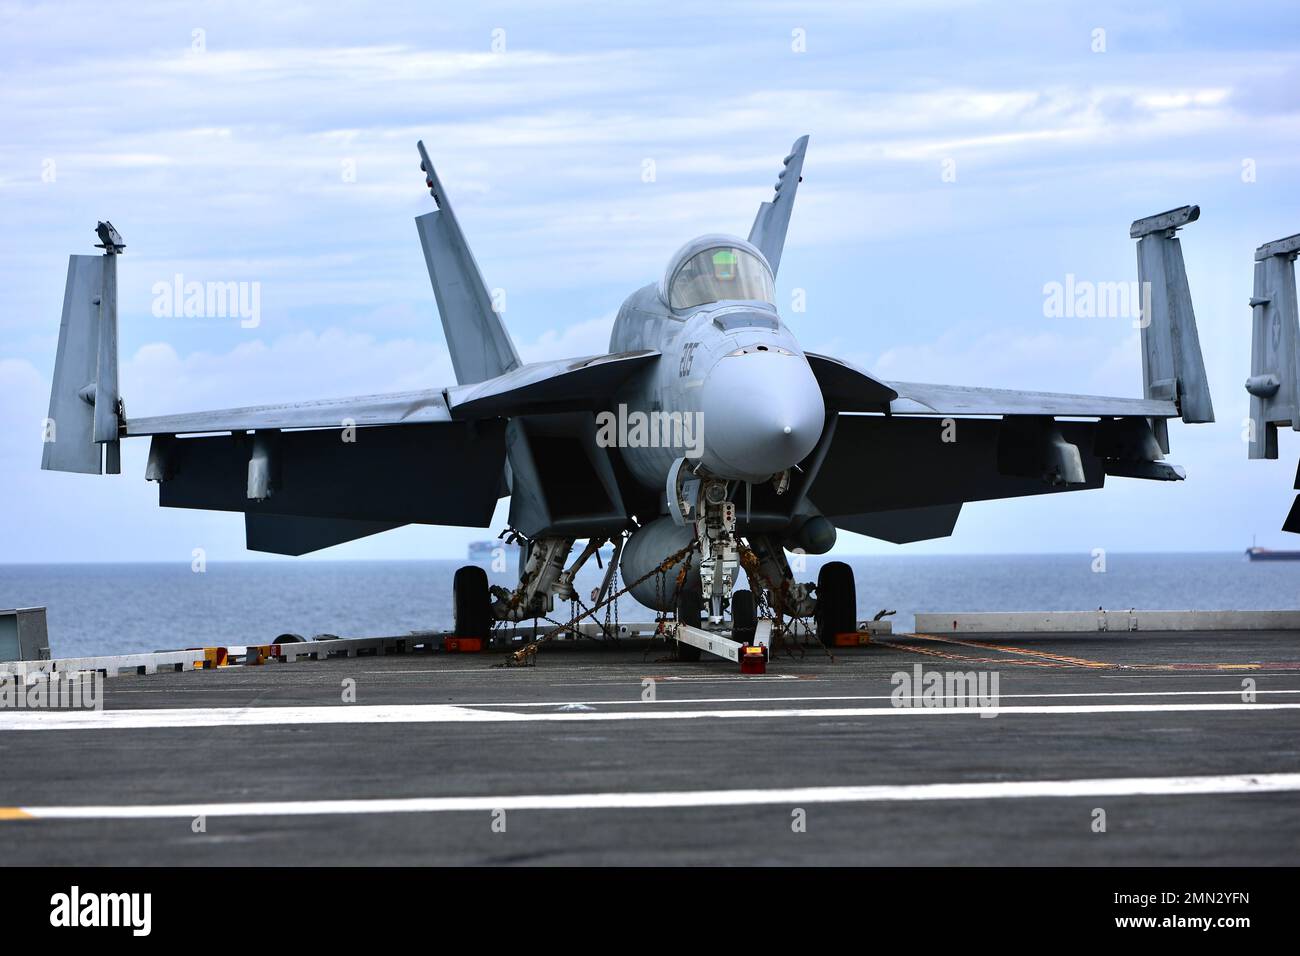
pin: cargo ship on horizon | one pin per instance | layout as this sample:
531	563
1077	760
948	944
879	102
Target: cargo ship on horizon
1268	554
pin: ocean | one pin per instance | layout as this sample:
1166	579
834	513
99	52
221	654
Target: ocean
122	608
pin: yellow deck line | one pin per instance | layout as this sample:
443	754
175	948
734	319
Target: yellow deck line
1046	655
1060	660
965	659
14	813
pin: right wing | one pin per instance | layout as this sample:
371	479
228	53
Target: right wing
398	408
308	475
533	389
543	387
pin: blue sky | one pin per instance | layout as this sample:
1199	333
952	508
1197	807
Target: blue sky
228	163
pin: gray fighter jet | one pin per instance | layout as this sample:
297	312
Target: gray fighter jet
706	433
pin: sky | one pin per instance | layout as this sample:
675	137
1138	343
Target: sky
963	157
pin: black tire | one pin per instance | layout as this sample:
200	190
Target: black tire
837	602
472	606
744	616
690	608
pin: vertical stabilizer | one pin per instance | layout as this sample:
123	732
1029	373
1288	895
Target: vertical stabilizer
478	341
773	219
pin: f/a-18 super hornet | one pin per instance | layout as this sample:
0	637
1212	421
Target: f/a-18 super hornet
705	440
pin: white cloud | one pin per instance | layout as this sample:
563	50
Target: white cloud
1038	360
228	165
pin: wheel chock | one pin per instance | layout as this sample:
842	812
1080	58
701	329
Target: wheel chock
214	657
753	659
462	645
256	654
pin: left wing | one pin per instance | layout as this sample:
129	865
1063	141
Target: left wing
846	388
904	475
915	398
906	478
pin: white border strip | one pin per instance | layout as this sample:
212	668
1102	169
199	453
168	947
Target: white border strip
796	796
11	720
1078	622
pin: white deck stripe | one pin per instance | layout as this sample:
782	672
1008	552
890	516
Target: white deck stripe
793	796
447	713
682	701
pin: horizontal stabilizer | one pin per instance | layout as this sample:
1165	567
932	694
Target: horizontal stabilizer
904	525
1150	470
287	534
544	387
1292	522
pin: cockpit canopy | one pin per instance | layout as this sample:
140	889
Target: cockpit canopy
716	268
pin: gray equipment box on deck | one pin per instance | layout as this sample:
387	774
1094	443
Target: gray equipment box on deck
23	636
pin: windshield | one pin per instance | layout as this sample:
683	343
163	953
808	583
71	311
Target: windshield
715	275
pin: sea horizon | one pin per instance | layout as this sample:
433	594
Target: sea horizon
102	607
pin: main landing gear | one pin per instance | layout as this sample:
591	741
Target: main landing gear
710	615
837	602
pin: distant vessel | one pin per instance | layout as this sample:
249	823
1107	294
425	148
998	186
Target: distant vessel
482	552
1268	554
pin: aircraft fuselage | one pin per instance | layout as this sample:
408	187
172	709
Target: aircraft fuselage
732	373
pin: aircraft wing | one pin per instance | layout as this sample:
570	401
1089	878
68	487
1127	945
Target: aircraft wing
308	475
398	408
847	388
903	478
537	388
915	398
543	387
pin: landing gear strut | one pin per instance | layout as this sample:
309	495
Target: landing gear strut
719	548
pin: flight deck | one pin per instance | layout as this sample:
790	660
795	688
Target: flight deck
1098	749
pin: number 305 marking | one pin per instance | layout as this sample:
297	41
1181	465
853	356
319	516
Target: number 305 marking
688	357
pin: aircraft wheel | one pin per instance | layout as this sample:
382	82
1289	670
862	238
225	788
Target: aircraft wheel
744	616
472	606
690	608
837	602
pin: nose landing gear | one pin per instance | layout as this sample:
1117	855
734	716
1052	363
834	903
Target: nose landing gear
719	549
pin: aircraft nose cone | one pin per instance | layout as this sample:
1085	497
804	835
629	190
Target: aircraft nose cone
763	413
